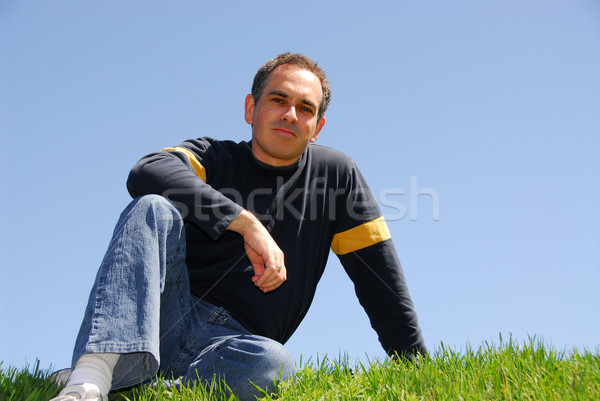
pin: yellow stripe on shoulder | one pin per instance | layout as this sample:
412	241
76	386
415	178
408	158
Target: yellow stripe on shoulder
198	167
367	234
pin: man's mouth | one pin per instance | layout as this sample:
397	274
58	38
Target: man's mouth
284	131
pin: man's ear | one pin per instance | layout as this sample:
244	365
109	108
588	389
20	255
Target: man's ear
320	125
249	108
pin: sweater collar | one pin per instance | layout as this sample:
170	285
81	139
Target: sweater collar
277	170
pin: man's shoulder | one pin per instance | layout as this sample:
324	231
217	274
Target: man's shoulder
210	141
330	156
209	144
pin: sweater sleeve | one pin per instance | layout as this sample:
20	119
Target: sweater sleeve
179	174
364	247
381	289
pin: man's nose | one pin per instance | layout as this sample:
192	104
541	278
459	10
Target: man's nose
290	115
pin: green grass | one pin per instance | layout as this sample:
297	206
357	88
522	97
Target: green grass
509	371
29	384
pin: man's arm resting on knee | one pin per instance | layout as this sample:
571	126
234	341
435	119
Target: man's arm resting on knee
167	174
265	255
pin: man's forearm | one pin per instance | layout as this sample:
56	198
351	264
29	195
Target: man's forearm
266	257
244	222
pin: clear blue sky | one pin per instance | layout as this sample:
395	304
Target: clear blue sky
476	123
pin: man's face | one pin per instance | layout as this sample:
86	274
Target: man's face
284	119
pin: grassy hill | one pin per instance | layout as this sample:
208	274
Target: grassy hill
510	371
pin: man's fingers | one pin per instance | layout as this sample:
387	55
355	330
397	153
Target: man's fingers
273	274
272	278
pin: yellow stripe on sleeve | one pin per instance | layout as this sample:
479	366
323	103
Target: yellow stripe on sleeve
367	234
198	167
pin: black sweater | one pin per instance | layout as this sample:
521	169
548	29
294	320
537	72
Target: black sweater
320	202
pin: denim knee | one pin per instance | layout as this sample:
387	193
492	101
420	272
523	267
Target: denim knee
272	360
245	362
266	361
159	204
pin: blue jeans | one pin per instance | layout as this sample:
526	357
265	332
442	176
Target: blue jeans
141	307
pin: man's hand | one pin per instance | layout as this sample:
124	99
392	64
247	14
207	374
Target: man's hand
263	252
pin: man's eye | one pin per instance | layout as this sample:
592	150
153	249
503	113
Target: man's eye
277	100
307	109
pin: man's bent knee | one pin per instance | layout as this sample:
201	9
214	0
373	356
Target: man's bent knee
152	201
246	362
267	361
159	207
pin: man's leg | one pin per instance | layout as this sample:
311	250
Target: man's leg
245	362
141	309
145	258
216	344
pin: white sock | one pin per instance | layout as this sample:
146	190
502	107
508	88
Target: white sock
96	369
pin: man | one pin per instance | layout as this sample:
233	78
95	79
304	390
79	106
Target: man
215	263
